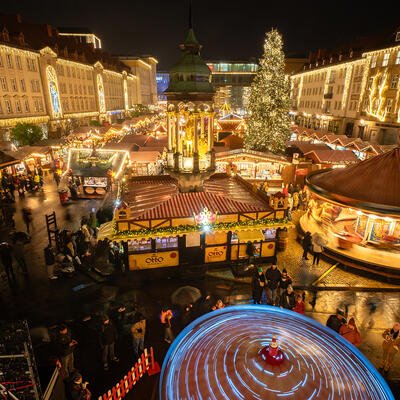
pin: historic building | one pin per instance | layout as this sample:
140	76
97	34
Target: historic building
59	83
353	90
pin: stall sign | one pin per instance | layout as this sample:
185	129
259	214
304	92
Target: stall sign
215	254
302	171
153	260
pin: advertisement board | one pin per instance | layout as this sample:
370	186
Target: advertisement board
215	254
154	260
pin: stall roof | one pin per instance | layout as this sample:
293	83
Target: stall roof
305	147
188	204
373	184
7	160
145	156
25	151
331	156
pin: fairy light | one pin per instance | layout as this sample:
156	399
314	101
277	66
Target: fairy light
376	97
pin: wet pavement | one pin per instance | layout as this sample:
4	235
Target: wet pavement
46	303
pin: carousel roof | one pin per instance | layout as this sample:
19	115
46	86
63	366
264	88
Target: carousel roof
373	184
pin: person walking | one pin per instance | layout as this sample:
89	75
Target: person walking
288	299
27	217
7	261
306	244
390	346
285	281
57	178
65	349
299	306
273	276
93	224
107	342
335	321
258	285
138	330
166	317
19	255
350	332
50	259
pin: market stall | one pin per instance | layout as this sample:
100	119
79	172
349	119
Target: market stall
96	169
358	210
193	228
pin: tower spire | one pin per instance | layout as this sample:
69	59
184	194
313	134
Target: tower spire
190	15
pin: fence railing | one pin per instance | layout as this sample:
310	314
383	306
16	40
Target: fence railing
144	364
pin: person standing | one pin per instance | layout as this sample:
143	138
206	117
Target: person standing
335	321
93	224
258	285
138	330
7	261
107	342
290	207
166	317
317	250
65	349
288	299
350	332
285	281
18	253
78	389
50	259
390	346
273	276
306	244
27	217
299	306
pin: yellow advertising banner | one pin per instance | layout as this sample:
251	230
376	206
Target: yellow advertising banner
215	254
154	260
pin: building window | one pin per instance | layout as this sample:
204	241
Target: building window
14	84
385	60
373	61
3	83
26	103
8	106
18	62
40	105
9	61
28	64
18	106
332	77
68	72
36	105
394	81
22	83
397	61
389	103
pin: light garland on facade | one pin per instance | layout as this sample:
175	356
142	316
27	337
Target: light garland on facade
32	120
82	115
376	97
349	71
15	50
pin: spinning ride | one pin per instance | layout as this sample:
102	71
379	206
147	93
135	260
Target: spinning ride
218	357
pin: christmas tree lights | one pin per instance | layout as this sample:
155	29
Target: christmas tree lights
269	102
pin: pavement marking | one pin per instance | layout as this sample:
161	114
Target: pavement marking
324	274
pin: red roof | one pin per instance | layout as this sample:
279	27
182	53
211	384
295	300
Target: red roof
188	204
332	156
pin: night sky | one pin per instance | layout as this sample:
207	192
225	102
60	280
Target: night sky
228	30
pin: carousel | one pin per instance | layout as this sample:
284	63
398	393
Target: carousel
357	210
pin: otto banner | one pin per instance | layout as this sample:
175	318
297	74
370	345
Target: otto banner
154	260
215	254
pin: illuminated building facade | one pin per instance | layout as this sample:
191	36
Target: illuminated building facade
84	35
354	91
162	79
66	83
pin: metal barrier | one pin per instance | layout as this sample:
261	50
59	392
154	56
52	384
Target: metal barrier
145	364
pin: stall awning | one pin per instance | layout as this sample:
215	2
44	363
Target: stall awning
254	235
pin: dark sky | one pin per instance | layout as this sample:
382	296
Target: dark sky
228	29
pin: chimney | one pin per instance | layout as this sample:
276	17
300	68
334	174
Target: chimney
49	30
18	18
321	53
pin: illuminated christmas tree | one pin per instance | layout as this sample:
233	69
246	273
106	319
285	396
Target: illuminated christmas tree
269	121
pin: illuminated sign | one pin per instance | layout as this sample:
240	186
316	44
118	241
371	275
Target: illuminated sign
53	91
205	217
154	260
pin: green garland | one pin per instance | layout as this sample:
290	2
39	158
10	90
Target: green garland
180	229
